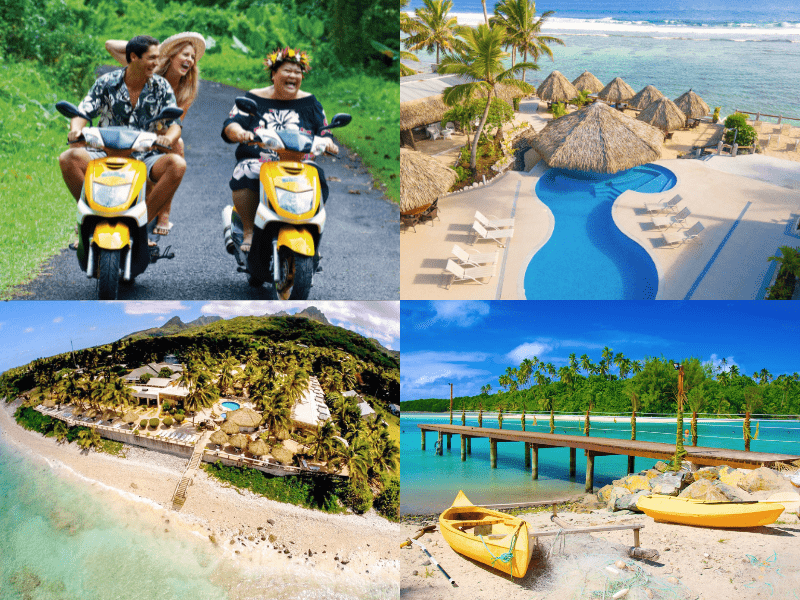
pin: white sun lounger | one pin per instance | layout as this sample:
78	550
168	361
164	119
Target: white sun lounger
469	273
493	222
668	221
474	260
680	237
658	207
496	235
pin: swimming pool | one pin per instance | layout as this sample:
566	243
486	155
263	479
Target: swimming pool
587	256
230	405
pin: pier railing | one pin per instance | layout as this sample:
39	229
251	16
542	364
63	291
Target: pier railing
759	115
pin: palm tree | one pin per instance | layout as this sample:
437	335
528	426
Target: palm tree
356	457
432	28
385	455
321	442
277	414
481	62
89	438
696	401
295	385
550	404
202	395
60	430
226	378
518	17
586	364
634	407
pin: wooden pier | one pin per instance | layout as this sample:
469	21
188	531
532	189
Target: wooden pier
594	446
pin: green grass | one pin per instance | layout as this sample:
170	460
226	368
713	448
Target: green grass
38	213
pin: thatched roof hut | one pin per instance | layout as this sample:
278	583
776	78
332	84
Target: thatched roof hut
239	441
645	97
423	111
664	114
130	417
219	438
616	91
229	427
588	83
598	139
245	417
692	105
258	448
422	180
556	88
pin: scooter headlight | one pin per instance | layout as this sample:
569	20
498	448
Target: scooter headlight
297	203
110	196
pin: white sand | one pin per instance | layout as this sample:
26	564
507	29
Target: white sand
348	546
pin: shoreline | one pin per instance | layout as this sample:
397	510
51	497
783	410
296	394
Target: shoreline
251	530
578	417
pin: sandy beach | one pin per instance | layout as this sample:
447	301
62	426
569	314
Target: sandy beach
250	529
694	563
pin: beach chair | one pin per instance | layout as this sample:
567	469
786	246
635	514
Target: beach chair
433	132
410	221
668	221
430	213
659	207
460	273
493	222
678	238
496	235
447	131
474	260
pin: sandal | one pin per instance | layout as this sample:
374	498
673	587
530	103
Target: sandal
159	230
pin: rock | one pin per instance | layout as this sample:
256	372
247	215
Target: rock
616	493
705	490
760	479
730	476
344	561
587	504
634	483
272	538
669	484
270	521
794	478
650	473
415	573
661	466
732	493
711	473
604	492
629	502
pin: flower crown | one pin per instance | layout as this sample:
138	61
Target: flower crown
288	55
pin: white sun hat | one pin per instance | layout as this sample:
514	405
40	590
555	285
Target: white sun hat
187	36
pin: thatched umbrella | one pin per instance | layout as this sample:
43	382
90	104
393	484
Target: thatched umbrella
239	441
258	448
245	417
616	91
230	427
599	139
130	417
664	114
692	105
556	88
219	438
422	180
587	82
49	403
645	97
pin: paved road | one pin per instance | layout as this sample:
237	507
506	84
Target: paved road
360	247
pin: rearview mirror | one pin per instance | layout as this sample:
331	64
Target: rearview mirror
247	106
69	110
340	120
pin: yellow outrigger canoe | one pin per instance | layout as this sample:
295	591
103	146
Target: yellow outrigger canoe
709	514
488	536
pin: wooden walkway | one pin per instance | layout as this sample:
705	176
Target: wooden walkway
594	446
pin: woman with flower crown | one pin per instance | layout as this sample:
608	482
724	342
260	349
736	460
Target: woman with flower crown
280	106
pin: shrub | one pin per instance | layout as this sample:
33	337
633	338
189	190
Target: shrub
166	406
746	135
558	110
516	103
165	372
735	120
179	418
143	424
154	422
358	497
145	378
387	503
715	117
167	422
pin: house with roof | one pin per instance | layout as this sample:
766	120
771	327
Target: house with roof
363	405
310	411
159	389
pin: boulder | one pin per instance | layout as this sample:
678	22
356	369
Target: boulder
629	502
616	493
760	479
730	476
650	473
711	473
603	493
661	467
669	484
588	503
705	490
633	483
794	478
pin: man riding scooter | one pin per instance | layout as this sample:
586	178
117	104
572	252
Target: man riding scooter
130	97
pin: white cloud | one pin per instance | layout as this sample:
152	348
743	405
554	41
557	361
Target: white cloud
58	319
456	312
528	350
29	330
93	328
152	307
716	362
160	318
426	374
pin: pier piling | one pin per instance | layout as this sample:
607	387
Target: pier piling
631	467
439	444
572	452
493	453
535	466
589	471
449	440
463	448
527	456
469	445
423	439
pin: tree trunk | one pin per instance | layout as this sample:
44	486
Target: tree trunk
473	158
747	437
552	422
407	139
694	428
633	425
586	424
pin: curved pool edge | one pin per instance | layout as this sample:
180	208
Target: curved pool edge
551	223
642	241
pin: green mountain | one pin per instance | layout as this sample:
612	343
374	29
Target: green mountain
174	325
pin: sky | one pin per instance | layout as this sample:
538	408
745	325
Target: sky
34	329
470	344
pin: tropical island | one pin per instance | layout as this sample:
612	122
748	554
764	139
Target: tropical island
229	422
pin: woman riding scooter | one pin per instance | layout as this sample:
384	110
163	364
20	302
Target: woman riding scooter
280	106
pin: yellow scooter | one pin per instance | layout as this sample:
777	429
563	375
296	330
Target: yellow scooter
112	214
291	213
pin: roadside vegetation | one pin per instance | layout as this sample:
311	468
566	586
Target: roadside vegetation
49	51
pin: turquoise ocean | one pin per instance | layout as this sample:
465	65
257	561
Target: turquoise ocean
734	54
429	483
64	538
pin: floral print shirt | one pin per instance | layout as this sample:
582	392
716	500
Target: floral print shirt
109	99
305	114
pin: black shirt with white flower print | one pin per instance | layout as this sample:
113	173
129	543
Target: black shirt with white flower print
109	99
303	113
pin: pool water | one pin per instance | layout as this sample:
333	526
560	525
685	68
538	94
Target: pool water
230	405
587	256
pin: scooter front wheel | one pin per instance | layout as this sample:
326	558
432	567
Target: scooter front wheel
108	275
297	271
